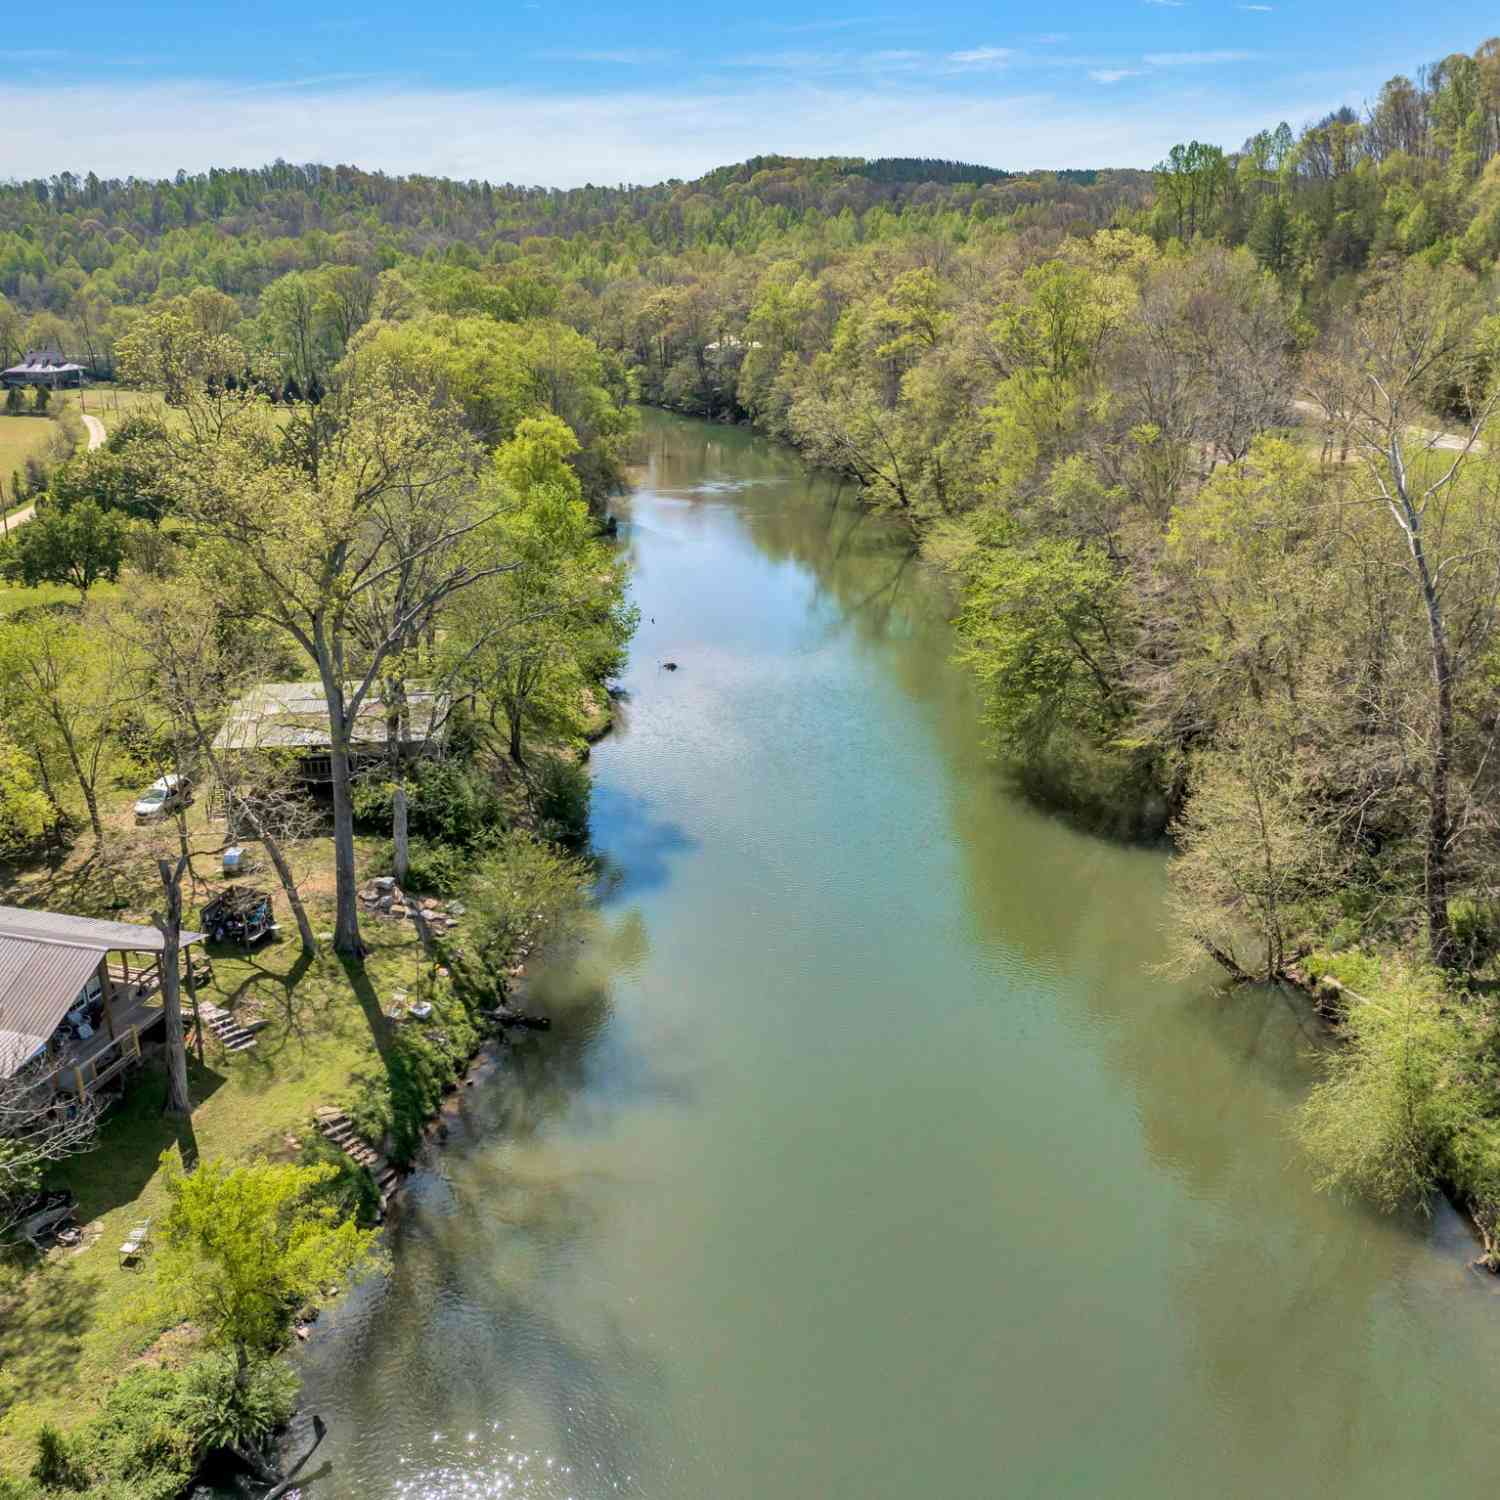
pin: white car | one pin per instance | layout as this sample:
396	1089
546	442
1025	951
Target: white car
163	796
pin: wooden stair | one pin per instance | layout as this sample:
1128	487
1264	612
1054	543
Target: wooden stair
233	1036
336	1127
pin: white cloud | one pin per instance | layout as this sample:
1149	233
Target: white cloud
630	57
563	140
1113	75
1171	4
1195	59
1255	7
980	57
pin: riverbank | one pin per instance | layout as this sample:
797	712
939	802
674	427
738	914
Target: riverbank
327	1033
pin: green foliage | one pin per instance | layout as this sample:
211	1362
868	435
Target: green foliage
350	1191
522	894
15	402
74	547
58	1464
432	868
422	1061
221	1408
1408	1098
239	1247
564	790
448	801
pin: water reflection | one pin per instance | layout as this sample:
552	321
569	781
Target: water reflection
867	1157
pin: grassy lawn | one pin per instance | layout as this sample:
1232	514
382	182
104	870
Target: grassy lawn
70	1323
21	438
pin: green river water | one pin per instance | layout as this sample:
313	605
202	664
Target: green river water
869	1159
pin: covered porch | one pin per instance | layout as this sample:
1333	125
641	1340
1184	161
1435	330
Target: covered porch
77	995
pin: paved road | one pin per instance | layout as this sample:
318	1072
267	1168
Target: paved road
96	434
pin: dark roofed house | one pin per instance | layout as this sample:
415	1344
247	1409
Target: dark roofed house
65	1009
43	367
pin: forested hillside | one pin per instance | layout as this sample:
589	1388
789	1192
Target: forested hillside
1208	453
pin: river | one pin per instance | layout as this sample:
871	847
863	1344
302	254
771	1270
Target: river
869	1157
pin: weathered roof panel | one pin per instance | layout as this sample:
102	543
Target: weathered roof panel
45	961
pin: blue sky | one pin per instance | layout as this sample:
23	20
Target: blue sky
568	91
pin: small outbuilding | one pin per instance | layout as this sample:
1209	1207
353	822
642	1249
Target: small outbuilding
293	716
44	367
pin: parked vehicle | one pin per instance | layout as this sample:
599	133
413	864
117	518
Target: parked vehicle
163	796
239	914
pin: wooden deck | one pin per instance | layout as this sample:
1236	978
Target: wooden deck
87	1064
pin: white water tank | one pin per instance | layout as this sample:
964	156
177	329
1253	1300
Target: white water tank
233	859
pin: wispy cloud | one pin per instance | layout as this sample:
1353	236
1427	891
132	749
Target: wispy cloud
1114	75
1195	59
1170	4
629	57
981	57
1255	7
843	23
613	135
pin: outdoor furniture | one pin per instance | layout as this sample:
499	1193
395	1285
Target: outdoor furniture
239	914
137	1243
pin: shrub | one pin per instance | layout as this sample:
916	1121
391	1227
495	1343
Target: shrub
57	1465
218	1413
521	895
448	801
140	1443
563	791
1405	1101
351	1192
421	1061
431	869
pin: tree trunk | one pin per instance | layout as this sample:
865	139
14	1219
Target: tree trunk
400	843
283	872
1439	821
170	926
515	738
346	936
89	799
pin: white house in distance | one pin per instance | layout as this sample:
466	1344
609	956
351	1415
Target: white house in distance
44	367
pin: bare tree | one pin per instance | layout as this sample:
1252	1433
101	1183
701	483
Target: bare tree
1411	345
37	1130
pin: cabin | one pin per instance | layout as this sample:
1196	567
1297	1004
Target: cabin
77	995
43	367
293	716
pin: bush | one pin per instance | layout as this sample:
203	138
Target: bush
1474	931
140	1442
1408	1101
563	791
521	895
219	1414
431	869
448	801
422	1060
57	1463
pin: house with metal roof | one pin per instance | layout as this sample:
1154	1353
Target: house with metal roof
43	367
73	1009
294	716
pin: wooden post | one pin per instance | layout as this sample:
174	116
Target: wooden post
192	988
107	989
83	1093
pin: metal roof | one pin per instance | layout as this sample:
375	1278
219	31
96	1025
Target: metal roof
46	959
294	716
